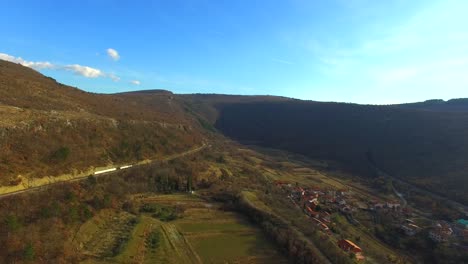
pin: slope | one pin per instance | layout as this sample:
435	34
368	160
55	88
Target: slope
47	128
427	148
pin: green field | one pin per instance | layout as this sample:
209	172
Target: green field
202	233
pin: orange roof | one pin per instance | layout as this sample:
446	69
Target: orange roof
352	244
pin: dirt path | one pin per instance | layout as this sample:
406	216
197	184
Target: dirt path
7	191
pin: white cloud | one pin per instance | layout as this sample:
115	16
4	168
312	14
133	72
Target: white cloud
113	77
113	54
81	70
135	82
31	64
85	71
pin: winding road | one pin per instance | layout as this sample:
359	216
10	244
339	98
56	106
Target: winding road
107	171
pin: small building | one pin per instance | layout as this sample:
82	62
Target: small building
393	205
325	217
410	229
324	227
320	224
379	205
349	246
441	232
311	212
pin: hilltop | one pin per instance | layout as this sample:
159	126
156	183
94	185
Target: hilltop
47	128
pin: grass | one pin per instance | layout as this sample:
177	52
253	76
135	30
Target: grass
136	247
213	226
203	234
252	198
222	248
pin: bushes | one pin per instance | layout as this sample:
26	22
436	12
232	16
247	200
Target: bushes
12	222
163	213
28	252
60	155
152	241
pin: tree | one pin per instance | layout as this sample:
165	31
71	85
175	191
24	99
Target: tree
189	183
12	222
60	155
28	252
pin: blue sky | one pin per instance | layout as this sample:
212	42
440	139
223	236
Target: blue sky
361	51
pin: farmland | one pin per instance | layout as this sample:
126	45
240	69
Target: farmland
201	233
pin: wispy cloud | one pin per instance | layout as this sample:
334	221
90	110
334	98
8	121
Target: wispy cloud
85	71
282	61
113	54
38	65
135	82
81	70
113	77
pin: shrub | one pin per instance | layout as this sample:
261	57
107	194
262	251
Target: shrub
60	154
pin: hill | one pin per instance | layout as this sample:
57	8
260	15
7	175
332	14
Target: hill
453	105
427	148
47	128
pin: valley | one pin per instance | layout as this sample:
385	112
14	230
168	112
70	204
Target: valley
156	177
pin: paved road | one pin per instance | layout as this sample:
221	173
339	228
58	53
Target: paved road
80	178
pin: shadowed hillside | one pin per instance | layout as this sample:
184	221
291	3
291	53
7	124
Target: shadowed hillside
429	148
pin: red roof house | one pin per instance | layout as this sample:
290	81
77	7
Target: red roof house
348	245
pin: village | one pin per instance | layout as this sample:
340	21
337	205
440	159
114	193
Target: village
320	205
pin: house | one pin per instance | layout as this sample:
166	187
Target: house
324	227
325	217
393	205
321	225
349	246
311	212
410	229
379	205
441	232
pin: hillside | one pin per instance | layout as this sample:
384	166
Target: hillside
47	128
427	148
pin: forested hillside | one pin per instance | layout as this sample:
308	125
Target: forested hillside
429	148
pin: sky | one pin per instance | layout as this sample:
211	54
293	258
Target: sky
360	51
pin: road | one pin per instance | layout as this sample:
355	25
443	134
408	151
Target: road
111	171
